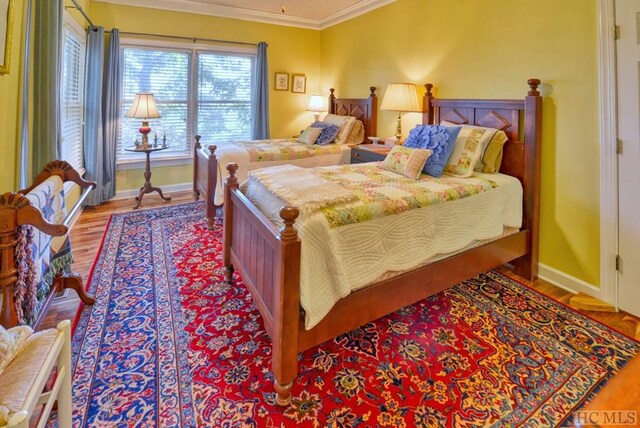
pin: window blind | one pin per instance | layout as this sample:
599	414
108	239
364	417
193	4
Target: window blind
202	92
72	96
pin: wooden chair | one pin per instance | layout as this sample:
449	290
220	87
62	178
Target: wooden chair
24	379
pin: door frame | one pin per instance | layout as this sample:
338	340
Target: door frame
608	157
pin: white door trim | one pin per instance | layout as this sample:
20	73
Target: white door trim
608	155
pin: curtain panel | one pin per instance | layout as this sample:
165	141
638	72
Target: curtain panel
260	123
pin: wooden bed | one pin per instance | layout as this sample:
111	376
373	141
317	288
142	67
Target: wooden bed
268	259
205	163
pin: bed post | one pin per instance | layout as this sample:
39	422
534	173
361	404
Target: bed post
286	314
212	183
231	183
373	119
527	266
427	109
196	147
332	101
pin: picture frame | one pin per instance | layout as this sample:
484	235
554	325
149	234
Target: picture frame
6	24
299	84
281	81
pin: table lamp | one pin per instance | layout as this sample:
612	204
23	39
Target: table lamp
316	105
144	107
400	97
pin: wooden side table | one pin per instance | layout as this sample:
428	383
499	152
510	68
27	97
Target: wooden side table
369	153
147	187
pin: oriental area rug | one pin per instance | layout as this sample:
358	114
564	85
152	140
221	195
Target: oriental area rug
168	343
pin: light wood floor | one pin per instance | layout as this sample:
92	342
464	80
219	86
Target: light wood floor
623	392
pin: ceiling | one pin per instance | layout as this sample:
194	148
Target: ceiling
315	14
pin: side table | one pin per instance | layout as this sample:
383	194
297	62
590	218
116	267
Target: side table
147	187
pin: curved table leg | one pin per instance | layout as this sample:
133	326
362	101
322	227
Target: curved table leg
157	189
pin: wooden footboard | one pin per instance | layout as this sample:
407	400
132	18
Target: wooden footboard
205	179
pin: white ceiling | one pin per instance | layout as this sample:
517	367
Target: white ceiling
316	14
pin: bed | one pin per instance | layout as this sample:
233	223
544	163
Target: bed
208	163
269	258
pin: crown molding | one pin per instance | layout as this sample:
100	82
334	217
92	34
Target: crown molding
190	6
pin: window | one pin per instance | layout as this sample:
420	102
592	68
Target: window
196	91
72	96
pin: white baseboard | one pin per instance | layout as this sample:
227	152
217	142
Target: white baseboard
132	193
566	281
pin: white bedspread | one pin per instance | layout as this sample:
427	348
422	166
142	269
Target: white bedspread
229	152
335	262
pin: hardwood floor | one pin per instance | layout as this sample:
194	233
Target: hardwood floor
86	235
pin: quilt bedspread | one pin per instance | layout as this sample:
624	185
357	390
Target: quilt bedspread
283	149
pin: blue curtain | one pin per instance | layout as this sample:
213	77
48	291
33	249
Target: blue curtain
110	116
260	128
93	137
47	75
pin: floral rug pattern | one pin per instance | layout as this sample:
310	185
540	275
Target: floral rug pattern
168	343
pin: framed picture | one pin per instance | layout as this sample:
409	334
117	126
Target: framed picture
282	81
6	21
299	85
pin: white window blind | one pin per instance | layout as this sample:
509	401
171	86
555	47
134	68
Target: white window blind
224	96
165	73
203	92
72	96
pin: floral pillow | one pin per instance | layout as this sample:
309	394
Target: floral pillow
309	135
468	150
439	139
406	161
328	133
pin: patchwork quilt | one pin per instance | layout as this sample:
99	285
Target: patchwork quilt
287	149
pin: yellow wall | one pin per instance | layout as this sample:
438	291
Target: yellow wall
488	49
293	50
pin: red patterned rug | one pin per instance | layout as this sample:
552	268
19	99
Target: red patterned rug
168	343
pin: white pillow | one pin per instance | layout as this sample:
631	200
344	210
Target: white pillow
10	343
344	122
309	135
468	149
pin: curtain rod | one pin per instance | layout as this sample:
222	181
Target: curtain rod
81	10
193	39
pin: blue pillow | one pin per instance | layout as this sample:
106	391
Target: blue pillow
440	139
329	132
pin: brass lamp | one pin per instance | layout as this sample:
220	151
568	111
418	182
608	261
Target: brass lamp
144	107
316	105
400	97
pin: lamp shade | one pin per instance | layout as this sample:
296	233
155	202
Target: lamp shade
400	97
143	107
316	103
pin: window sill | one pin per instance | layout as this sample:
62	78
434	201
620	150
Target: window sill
139	163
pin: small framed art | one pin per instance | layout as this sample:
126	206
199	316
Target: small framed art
299	85
6	21
282	81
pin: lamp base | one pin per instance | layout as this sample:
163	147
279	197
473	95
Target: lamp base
399	129
145	130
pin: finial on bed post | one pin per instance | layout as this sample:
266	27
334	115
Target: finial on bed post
232	180
212	151
332	101
289	215
533	84
372	89
197	145
428	114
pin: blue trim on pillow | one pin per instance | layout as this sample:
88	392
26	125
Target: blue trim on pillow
440	139
329	132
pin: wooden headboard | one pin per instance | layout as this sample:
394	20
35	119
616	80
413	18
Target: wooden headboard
521	120
363	109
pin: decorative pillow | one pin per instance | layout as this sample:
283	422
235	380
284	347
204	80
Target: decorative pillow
10	343
440	139
406	161
309	135
344	122
357	134
328	133
492	157
468	150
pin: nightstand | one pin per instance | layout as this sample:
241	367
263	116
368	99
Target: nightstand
369	153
